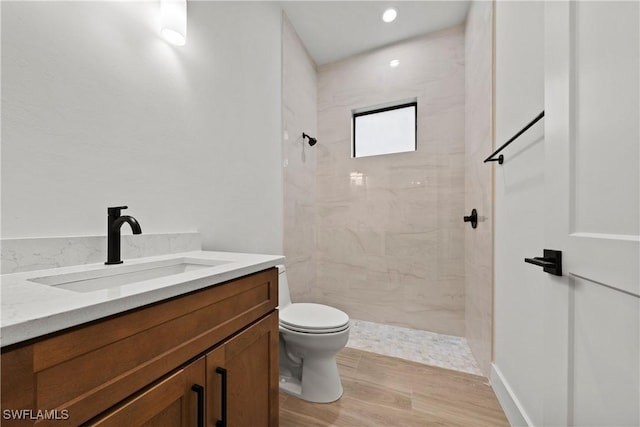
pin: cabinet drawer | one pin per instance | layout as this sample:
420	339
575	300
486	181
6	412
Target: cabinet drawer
171	402
91	368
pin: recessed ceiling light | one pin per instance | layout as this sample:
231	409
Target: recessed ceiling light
389	15
394	63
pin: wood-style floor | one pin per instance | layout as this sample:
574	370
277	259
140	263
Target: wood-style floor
386	391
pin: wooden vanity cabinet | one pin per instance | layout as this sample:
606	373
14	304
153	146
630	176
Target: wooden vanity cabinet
140	368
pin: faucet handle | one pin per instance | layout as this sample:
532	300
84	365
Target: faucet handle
115	210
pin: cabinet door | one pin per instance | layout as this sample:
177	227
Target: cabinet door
171	402
242	378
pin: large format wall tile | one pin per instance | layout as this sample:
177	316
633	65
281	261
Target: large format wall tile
299	114
390	240
478	145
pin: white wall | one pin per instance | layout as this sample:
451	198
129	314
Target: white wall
519	202
97	111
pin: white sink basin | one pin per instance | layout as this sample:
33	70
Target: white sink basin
113	277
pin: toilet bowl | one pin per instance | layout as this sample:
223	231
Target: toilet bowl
310	337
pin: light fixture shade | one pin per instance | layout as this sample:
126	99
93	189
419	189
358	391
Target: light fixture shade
173	21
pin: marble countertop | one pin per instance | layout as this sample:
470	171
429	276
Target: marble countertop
31	309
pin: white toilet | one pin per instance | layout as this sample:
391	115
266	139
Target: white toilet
310	337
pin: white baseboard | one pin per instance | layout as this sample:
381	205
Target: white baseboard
510	404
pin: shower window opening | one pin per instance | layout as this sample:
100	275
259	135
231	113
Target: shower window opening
385	130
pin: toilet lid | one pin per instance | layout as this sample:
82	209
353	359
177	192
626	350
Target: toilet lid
318	318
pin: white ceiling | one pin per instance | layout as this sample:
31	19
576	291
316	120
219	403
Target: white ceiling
333	30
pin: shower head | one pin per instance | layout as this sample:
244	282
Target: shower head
312	141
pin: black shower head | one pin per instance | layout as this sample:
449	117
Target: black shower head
312	141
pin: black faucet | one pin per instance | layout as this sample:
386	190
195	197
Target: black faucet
114	222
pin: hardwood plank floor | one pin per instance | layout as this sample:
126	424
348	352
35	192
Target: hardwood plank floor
388	392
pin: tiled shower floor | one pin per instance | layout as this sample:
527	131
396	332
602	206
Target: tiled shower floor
445	351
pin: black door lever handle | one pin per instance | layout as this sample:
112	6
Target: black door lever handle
551	262
542	262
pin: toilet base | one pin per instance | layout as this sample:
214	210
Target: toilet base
308	367
320	382
290	385
293	387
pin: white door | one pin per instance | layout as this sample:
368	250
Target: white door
592	156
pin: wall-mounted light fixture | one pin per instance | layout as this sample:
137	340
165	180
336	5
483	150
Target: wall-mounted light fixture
173	21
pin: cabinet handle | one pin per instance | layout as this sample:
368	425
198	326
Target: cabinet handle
222	422
200	392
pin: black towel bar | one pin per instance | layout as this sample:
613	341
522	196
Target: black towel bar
500	159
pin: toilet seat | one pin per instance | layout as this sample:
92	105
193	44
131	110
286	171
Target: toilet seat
313	318
314	331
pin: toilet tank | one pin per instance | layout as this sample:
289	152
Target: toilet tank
284	298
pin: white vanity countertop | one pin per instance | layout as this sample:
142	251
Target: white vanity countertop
31	309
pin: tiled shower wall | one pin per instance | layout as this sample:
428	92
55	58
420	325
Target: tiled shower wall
478	250
390	236
299	114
